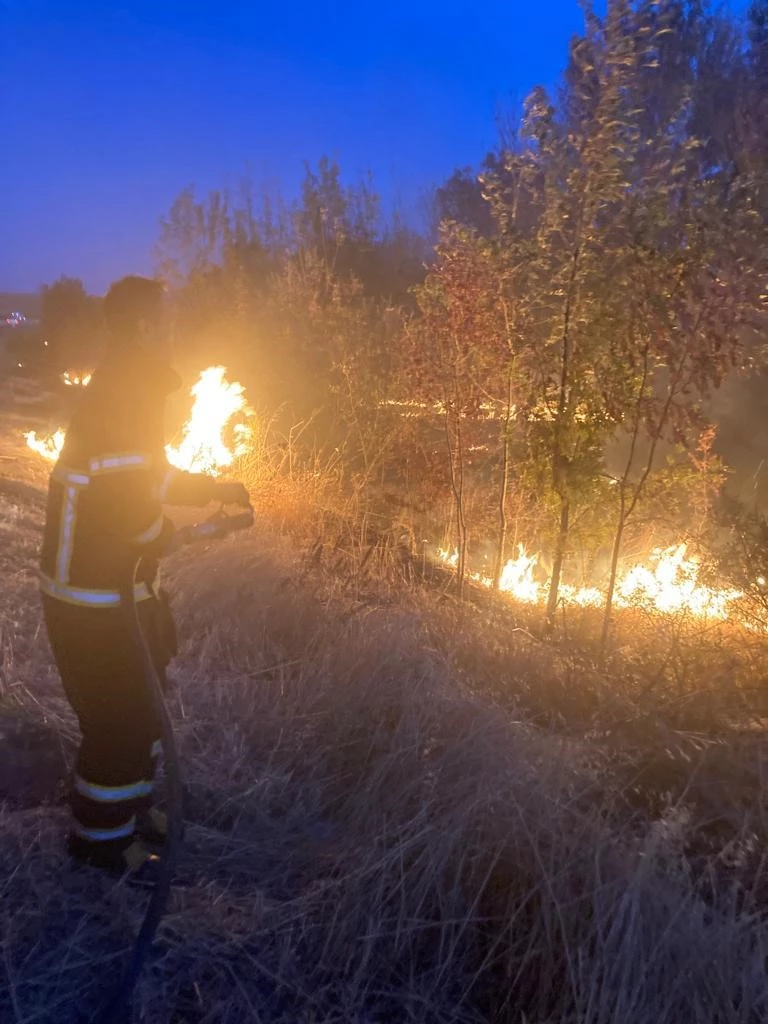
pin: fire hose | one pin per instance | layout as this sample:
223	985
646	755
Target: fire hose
118	1006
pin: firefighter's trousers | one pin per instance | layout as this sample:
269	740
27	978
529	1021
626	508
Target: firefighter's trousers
102	676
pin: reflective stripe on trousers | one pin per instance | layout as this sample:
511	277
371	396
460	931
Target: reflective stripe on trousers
112	794
104	835
90	598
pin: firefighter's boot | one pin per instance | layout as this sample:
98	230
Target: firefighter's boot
135	858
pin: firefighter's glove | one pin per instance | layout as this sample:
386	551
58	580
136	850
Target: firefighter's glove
231	492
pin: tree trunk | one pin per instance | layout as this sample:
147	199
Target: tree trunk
636	490
557	562
612	578
461	521
503	517
558	474
456	466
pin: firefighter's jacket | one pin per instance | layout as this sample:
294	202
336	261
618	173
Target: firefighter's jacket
108	486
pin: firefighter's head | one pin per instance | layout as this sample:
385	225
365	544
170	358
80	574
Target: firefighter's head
134	311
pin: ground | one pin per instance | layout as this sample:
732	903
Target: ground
399	808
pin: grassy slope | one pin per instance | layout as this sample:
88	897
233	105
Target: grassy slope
398	811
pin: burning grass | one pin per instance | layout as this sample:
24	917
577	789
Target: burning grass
668	581
216	433
219	409
400	809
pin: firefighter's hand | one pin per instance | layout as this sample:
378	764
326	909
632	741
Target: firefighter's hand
232	492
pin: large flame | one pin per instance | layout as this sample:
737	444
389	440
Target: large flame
48	446
517	576
667	582
673	585
203	447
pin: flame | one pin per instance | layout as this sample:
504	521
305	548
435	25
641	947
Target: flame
517	577
674	586
49	446
668	582
448	558
76	380
203	448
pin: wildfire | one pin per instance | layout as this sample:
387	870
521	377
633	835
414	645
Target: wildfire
669	582
203	447
49	446
674	586
517	576
76	380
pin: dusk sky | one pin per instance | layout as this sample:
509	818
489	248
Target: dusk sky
109	109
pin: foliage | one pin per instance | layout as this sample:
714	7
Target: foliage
589	293
70	323
644	259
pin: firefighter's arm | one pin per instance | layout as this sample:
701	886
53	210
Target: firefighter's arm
130	510
178	487
135	515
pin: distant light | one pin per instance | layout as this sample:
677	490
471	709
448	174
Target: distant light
761	581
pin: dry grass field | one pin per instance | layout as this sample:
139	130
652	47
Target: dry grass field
399	809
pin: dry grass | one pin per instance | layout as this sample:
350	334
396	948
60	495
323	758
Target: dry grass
398	810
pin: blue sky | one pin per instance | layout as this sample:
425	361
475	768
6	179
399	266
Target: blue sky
109	109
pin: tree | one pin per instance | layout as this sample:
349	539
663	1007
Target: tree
681	335
460	200
574	168
689	278
642	257
70	323
344	226
463	367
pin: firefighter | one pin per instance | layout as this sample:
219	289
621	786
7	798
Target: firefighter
104	513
